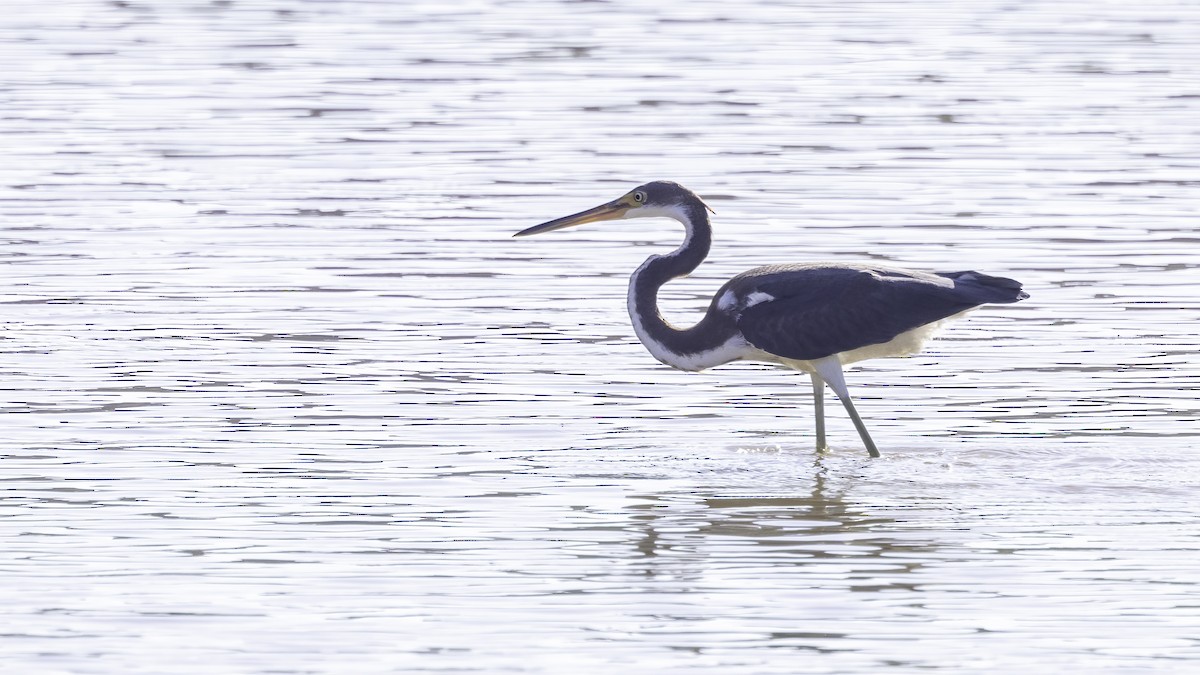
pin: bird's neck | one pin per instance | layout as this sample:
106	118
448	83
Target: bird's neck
692	348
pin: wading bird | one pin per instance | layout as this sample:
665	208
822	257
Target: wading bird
814	317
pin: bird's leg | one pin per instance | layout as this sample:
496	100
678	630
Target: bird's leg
819	410
858	424
830	370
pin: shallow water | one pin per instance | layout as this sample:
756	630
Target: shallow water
282	395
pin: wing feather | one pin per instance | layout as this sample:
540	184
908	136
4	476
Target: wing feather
819	310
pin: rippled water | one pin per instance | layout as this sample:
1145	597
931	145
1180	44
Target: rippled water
282	395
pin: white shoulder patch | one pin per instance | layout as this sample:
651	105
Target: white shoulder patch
730	302
727	301
758	297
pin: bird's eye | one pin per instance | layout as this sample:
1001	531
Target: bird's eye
639	197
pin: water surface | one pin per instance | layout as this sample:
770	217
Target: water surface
282	395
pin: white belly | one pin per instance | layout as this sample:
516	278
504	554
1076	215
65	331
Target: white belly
904	344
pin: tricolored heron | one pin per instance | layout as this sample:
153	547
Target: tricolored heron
814	317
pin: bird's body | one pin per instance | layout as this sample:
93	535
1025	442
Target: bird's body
811	317
795	314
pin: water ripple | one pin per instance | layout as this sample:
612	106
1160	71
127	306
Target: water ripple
283	395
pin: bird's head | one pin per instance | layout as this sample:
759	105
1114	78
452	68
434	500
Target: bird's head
657	198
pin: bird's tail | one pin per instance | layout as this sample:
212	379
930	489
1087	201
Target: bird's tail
986	289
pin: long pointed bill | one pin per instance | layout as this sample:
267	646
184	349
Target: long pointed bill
610	211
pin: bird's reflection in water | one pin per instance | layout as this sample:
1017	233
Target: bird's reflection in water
684	534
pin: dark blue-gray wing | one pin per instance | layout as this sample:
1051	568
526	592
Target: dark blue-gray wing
819	310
